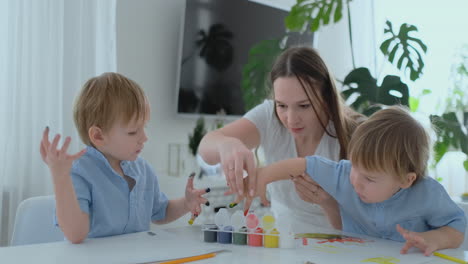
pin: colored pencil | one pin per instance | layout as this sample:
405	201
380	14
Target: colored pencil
456	260
189	259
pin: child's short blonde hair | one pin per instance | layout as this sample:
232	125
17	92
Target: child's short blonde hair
391	141
105	99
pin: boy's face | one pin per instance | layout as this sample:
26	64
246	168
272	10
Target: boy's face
124	141
374	187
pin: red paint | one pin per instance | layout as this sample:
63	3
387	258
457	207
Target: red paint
256	240
342	240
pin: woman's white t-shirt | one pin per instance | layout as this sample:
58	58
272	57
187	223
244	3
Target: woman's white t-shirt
278	144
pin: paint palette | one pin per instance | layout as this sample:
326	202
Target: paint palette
248	230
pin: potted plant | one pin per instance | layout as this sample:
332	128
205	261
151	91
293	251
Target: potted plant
452	125
400	49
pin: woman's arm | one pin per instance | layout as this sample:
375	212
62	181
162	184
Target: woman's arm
231	146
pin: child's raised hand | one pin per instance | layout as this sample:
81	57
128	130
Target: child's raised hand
193	197
58	160
415	239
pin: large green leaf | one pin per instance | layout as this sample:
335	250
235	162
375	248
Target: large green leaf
404	50
255	72
450	133
313	14
360	82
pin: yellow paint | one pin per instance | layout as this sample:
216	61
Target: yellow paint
268	222
271	241
383	260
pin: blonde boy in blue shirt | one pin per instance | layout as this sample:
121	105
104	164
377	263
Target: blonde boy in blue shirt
106	189
383	191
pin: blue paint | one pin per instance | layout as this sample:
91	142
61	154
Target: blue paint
225	237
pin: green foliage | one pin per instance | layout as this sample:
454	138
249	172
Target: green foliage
197	135
313	13
400	48
360	81
450	133
255	72
452	126
414	101
408	47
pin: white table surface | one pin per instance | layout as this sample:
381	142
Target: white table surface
141	247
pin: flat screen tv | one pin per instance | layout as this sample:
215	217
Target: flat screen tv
216	40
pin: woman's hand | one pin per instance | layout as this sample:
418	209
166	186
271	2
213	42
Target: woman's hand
309	190
260	191
235	158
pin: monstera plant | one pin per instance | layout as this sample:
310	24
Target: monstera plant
401	49
452	125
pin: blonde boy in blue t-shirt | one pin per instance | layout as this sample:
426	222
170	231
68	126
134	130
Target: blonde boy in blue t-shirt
382	191
106	189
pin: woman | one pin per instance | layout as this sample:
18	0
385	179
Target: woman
307	116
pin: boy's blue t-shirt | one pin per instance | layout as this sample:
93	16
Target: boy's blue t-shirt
103	194
419	208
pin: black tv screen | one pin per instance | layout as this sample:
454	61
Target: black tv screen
217	37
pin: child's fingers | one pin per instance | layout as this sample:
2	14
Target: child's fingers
78	155
429	250
45	137
64	148
53	146
406	247
43	151
189	185
200	192
198	209
401	230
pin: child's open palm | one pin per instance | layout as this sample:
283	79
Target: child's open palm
417	240
58	160
193	197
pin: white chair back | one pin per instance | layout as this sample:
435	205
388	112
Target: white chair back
34	222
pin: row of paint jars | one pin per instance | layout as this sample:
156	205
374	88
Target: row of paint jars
247	230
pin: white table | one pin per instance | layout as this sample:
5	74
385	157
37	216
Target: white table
142	247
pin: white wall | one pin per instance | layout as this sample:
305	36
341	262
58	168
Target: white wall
148	33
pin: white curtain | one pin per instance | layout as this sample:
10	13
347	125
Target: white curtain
334	45
48	49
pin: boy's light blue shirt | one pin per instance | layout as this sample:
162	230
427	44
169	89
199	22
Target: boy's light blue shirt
103	194
422	207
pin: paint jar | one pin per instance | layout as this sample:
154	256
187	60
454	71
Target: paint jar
210	233
240	237
272	240
256	239
225	236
